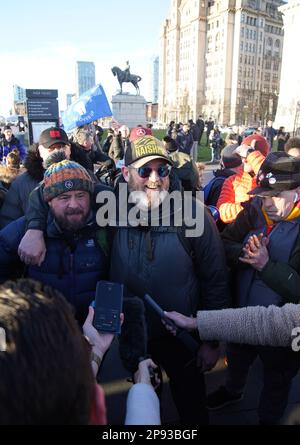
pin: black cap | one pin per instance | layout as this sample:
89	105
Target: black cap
229	158
53	135
145	149
278	172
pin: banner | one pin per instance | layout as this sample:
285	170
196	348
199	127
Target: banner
90	106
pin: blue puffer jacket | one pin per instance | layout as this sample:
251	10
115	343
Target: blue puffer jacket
73	263
6	147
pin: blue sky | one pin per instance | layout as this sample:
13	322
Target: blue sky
41	41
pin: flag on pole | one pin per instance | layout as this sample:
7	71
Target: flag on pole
90	106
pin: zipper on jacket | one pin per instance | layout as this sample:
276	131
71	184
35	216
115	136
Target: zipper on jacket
72	278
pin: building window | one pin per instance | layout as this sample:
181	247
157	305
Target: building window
217	42
243	18
242	32
277	43
242	45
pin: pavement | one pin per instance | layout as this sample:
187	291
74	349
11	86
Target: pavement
113	380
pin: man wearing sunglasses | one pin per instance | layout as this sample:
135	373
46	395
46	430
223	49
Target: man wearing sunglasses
151	258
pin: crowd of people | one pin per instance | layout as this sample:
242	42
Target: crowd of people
236	280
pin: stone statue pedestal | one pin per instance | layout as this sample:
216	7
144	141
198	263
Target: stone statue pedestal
129	109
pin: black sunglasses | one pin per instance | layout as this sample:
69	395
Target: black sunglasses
144	172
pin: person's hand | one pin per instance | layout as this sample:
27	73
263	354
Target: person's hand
181	321
101	341
32	248
207	357
143	374
255	252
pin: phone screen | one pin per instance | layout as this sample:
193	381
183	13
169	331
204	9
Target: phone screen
108	306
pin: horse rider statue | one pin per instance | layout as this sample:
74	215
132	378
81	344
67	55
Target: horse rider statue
126	76
127	71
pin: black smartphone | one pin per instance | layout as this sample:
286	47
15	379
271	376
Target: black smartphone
108	306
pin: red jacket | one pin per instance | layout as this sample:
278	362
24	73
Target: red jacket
235	189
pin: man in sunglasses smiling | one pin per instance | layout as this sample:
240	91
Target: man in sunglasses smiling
157	259
147	168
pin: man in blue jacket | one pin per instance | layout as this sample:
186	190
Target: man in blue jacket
9	142
77	254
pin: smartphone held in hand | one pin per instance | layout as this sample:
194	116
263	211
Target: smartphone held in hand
108	306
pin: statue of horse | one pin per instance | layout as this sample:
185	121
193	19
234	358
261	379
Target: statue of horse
125	77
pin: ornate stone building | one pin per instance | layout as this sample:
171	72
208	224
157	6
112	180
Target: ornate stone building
221	58
288	112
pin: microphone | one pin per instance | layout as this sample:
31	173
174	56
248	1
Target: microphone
133	337
183	336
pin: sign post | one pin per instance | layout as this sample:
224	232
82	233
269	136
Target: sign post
42	111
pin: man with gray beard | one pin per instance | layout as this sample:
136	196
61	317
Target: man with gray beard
176	271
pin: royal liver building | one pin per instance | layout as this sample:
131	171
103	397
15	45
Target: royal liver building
222	59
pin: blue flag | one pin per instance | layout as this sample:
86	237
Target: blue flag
90	106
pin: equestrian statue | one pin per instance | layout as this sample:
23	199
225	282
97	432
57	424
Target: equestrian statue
126	76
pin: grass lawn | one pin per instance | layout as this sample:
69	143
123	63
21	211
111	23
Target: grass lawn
204	152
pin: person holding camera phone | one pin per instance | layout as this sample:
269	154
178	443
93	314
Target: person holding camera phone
142	402
48	359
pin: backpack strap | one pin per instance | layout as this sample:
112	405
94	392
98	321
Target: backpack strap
209	185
